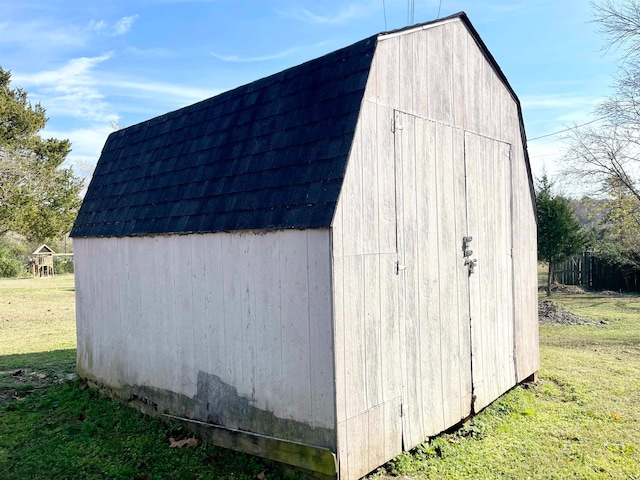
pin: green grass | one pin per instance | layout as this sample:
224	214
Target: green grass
581	420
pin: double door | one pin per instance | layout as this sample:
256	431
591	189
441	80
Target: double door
454	271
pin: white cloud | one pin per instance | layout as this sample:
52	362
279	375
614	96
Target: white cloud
71	89
86	145
120	27
41	34
123	25
275	56
150	52
348	13
148	89
97	26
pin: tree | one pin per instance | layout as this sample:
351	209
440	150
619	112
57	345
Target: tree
559	232
39	198
607	156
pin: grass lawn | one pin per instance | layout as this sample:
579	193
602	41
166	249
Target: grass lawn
581	420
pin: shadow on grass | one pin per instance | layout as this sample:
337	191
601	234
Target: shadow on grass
52	362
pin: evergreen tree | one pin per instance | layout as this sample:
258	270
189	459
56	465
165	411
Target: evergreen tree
559	232
38	197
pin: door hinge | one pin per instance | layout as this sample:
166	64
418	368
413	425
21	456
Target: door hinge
402	410
400	267
395	123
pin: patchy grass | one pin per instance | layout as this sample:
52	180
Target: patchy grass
581	420
37	315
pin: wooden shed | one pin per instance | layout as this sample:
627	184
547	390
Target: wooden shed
325	266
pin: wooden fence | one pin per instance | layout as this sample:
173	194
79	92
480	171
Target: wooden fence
591	272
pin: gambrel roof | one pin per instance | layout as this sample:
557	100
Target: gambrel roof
268	155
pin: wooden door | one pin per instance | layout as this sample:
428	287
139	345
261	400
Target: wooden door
433	282
488	168
456	326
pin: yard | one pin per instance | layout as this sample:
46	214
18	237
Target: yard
581	420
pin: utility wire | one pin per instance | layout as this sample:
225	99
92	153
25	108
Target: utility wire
565	130
439	7
384	11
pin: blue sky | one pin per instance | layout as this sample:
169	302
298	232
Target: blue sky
96	65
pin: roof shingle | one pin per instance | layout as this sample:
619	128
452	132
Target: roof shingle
267	155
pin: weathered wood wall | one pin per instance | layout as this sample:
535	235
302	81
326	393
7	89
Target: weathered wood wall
454	166
229	328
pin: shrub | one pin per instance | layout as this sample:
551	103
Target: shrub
63	265
10	266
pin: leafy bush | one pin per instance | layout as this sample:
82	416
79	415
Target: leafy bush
10	266
63	265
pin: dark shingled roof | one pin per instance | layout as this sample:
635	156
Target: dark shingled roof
267	155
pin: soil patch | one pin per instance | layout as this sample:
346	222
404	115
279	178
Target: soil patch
17	384
550	313
559	288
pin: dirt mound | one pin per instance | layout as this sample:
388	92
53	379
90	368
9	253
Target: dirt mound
549	312
559	288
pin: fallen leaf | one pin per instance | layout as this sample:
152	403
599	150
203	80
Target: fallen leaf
261	476
615	416
187	442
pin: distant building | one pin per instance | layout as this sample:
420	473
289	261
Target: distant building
41	264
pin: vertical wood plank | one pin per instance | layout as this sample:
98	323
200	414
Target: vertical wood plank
372	331
406	73
354	336
232	309
321	351
150	366
413	421
366	134
353	203
358	438
448	254
385	180
429	295
462	280
268	294
473	161
475	62
248	252
339	328
440	74
214	334
460	35
296	388
388	58
422	65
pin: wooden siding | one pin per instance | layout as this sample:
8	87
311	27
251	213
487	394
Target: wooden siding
405	338
252	310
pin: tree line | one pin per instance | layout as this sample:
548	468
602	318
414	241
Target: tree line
606	157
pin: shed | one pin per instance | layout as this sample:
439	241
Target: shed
325	266
41	264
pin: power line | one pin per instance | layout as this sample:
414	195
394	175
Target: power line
384	12
439	7
565	130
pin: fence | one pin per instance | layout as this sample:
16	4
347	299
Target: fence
591	272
